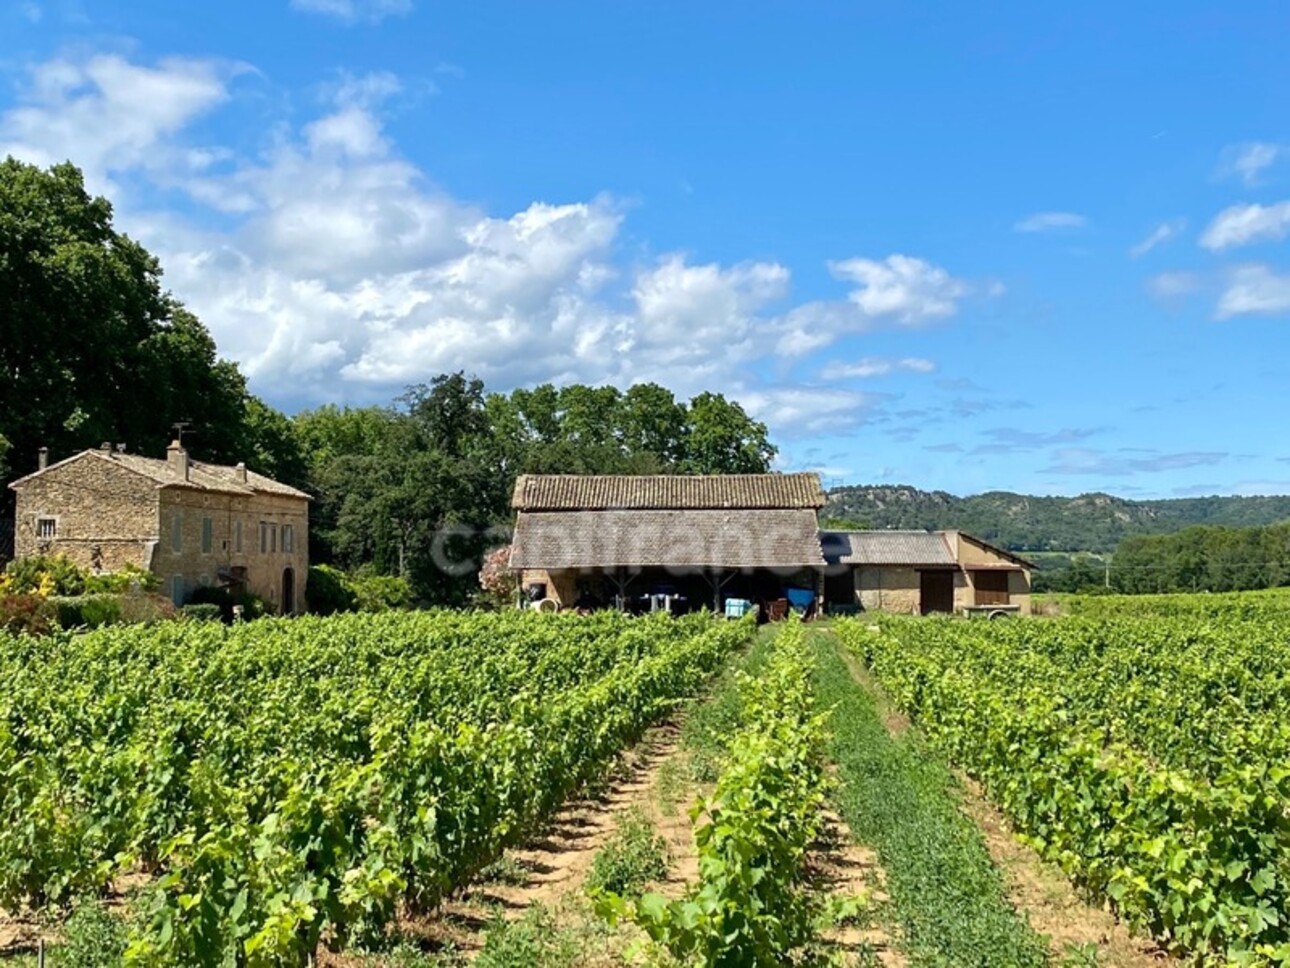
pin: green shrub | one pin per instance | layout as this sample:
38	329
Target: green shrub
93	938
328	592
47	574
87	611
202	612
130	578
380	593
252	605
630	859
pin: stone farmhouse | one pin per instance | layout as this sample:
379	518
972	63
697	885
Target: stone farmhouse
193	524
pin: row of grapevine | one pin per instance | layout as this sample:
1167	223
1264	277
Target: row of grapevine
751	904
1146	757
287	782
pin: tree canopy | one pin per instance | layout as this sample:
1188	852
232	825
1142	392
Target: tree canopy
92	348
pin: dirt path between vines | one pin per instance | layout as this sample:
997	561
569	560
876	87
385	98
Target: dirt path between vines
551	871
654	779
1033	885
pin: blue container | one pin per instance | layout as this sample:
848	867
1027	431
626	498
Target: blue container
738	607
799	598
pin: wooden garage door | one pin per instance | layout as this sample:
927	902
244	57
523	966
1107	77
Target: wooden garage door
991	587
935	591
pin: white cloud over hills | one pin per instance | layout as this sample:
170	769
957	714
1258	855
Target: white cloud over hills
330	266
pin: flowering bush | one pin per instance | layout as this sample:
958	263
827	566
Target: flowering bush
496	578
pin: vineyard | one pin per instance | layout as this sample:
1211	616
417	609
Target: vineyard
286	783
1143	746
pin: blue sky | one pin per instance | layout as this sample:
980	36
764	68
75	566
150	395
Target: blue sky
1008	247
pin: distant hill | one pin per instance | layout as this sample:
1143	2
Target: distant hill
1022	522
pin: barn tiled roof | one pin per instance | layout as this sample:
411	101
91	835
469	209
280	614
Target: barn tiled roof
560	492
736	538
886	548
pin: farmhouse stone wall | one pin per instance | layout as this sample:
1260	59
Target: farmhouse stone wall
184	563
105	516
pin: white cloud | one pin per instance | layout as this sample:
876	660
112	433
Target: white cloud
807	410
331	267
1160	234
1172	285
109	115
1254	290
1247	161
1244	224
872	366
899	288
908	289
351	11
1050	222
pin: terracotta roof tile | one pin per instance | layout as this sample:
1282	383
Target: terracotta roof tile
553	492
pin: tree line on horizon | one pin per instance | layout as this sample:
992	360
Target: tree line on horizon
93	349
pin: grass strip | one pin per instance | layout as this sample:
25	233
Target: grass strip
898	798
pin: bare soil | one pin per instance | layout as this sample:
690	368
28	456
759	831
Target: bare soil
844	868
1055	907
551	871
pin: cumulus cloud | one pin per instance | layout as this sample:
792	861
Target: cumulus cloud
353	11
332	267
811	410
1245	224
1248	161
1160	234
1050	222
900	289
908	289
872	366
111	115
1254	290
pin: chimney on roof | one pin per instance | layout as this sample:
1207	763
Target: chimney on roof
42	458
177	458
241	471
106	446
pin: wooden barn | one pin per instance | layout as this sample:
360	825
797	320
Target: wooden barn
921	572
681	543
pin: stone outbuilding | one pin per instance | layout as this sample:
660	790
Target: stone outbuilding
191	523
687	542
921	572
